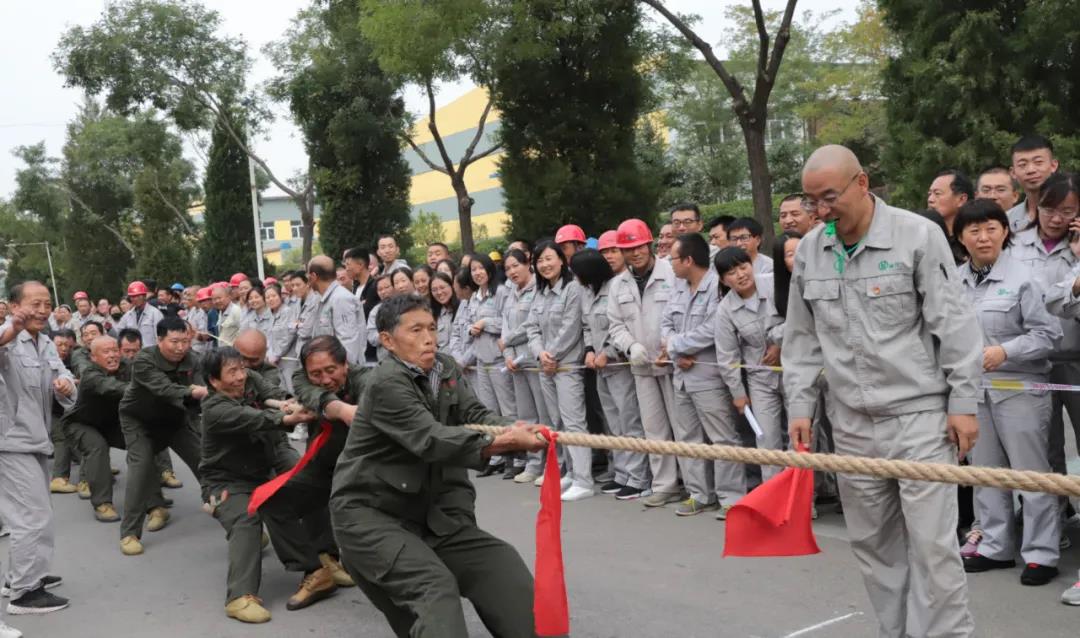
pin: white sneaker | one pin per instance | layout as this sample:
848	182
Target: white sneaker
299	433
7	631
527	477
565	483
577	493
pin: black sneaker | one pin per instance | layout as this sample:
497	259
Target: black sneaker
979	563
37	601
627	493
48	582
611	487
1036	575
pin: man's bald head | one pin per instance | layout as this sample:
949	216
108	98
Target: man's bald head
322	267
105	352
101	343
833	158
251	344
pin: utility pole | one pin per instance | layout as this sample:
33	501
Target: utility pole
255	217
48	257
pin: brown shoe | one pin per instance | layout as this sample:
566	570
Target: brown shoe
159	518
168	479
341	577
247	608
61	485
84	490
317	585
106	513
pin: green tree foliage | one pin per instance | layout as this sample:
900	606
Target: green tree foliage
970	78
352	121
227	244
35	214
571	95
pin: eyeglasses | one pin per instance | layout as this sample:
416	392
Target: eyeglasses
684	222
1065	215
812	205
738	239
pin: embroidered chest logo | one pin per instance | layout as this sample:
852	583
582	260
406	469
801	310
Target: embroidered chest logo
1004	292
885	265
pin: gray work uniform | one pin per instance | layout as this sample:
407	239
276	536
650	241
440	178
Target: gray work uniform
706	414
900	347
28	367
197	318
528	396
555	327
1013	426
634	317
371	334
763	265
493	387
263	321
444	326
461	342
744	329
1055	271
281	344
228	324
305	319
615	385
145	322
1018	218
341	315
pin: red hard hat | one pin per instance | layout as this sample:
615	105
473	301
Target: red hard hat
607	240
570	232
80	295
204	294
269	281
218	284
633	233
137	288
235	280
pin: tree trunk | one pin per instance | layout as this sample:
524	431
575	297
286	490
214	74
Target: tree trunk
306	203
464	204
760	179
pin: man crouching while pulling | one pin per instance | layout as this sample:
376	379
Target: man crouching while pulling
243	417
402	504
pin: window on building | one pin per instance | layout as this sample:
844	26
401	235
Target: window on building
266	232
296	228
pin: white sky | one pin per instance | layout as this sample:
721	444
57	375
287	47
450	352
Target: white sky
35	106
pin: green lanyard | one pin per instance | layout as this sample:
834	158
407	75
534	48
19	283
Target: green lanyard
844	252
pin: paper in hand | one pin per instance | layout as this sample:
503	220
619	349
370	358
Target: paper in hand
754	425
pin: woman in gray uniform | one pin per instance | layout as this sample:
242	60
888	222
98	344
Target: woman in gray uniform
1018	335
282	337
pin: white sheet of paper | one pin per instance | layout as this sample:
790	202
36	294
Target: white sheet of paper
754	425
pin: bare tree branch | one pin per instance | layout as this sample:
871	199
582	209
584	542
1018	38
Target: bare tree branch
423	155
181	215
782	38
468	158
479	156
763	47
90	211
433	127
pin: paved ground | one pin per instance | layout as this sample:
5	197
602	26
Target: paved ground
630	573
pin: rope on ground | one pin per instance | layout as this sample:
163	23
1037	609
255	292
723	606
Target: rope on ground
1003	478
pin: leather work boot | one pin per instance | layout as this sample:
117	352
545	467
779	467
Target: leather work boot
61	485
131	546
106	513
341	577
247	608
168	479
317	585
159	518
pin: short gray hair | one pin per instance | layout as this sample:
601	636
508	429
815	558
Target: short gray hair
391	310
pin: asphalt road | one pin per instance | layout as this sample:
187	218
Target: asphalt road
630	573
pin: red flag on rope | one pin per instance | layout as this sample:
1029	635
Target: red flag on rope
550	609
774	519
267	489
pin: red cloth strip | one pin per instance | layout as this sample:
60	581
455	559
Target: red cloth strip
269	488
550	609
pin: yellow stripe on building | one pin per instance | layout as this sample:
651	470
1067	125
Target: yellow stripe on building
494	223
282	229
433	186
463	114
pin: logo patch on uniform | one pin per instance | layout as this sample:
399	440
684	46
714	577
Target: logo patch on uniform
884	265
1002	292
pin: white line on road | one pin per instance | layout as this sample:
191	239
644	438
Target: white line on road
831	621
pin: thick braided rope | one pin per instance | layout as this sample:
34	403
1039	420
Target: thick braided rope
1025	480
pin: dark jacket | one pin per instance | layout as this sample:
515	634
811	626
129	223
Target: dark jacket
99	397
405	454
319	471
159	395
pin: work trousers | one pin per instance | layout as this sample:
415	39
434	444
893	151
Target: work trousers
93	446
564	396
495	389
529	407
623	417
64	453
903	532
27	513
767	404
417	579
282	515
708	416
143	480
1012	433
656	399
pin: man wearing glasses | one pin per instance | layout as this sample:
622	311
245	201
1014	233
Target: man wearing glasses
997	184
875	301
745	232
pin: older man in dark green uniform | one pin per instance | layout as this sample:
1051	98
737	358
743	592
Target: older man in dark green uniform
243	418
403	505
159	411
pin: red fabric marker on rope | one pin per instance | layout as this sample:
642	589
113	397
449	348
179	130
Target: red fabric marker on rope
269	488
774	519
550	609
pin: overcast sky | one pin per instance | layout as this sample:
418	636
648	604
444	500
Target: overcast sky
35	106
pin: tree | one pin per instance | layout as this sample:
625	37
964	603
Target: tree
751	108
427	42
571	95
970	78
352	121
35	214
168	54
227	245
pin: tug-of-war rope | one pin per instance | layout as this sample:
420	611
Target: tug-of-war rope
1003	478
